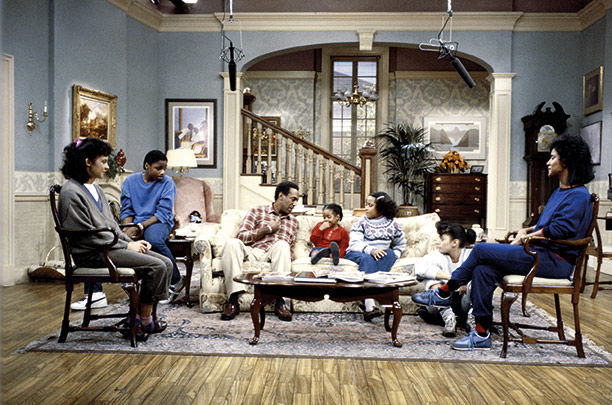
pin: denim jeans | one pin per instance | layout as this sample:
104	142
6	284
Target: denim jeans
490	262
368	264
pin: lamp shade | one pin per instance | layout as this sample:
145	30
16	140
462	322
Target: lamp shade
181	158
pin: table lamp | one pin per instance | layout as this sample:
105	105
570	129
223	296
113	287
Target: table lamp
181	159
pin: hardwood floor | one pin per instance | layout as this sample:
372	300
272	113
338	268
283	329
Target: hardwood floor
32	310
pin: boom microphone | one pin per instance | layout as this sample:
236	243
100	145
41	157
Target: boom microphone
462	72
231	67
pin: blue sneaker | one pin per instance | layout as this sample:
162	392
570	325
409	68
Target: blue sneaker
431	298
473	341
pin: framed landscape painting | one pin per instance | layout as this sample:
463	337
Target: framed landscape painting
94	114
592	91
190	123
463	134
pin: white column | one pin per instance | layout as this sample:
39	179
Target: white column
498	190
7	171
232	141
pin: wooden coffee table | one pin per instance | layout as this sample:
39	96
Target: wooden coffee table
266	292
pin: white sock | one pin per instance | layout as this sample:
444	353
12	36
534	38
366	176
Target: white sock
369	304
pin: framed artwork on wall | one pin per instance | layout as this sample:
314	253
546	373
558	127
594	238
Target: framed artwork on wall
592	135
464	134
592	91
192	123
477	169
94	114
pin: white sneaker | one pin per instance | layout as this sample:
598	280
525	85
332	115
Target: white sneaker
450	323
174	291
98	300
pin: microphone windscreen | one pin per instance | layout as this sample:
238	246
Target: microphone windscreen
462	72
231	66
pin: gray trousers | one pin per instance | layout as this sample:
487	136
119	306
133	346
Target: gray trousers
154	269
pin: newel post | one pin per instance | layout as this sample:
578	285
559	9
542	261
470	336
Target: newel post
368	169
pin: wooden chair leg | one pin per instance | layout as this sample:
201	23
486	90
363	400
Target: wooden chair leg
560	330
134	298
506	303
596	283
66	320
87	314
584	274
578	336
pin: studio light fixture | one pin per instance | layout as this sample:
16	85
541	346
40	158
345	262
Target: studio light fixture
448	49
229	53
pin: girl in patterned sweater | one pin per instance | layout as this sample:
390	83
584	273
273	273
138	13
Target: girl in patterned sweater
376	241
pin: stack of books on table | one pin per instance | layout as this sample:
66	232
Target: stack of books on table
382	277
270	276
310	277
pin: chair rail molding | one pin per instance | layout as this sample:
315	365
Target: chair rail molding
7	171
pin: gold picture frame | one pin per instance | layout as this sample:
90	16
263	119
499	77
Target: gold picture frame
592	91
94	114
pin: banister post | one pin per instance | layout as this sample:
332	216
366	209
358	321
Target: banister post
368	169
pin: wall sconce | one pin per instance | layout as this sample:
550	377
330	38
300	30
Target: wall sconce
33	119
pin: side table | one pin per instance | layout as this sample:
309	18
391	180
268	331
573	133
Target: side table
181	250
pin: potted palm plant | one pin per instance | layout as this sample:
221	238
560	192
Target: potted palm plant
407	158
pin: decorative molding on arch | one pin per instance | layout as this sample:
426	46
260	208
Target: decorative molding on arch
435	75
279	75
7	170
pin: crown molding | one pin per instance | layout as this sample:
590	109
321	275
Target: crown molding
144	12
421	21
543	22
593	12
434	75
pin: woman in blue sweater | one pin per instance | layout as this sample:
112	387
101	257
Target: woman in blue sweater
567	216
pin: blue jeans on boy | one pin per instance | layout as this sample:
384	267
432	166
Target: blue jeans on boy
156	235
368	264
488	263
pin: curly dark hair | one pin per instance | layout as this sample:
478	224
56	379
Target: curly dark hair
335	208
385	204
77	152
154	156
284	187
574	152
455	231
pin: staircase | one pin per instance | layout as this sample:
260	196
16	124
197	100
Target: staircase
273	154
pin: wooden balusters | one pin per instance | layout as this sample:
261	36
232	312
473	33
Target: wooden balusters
320	178
270	139
351	181
310	170
280	141
341	181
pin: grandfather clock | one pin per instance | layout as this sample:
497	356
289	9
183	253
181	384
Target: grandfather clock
541	127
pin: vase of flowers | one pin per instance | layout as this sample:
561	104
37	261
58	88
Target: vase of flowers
453	163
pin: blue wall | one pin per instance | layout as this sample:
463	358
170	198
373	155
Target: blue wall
548	68
26	37
94	44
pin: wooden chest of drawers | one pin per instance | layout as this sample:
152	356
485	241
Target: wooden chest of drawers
457	198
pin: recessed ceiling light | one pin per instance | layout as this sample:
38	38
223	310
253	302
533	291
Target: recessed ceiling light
155	2
190	1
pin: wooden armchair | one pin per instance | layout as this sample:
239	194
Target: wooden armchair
512	285
596	249
109	274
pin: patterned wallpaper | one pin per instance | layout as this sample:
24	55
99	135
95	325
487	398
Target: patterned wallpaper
289	99
412	100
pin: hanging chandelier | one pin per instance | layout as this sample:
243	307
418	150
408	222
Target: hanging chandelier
360	98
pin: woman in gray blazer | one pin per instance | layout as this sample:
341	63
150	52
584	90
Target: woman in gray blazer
83	205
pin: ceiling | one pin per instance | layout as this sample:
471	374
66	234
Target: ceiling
284	6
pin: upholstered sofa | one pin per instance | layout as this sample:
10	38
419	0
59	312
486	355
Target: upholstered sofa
421	237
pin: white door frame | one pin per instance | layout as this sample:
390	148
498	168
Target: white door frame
7	171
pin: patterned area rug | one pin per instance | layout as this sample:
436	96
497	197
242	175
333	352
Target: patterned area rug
321	335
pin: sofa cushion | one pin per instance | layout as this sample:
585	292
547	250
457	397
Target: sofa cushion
421	234
230	223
